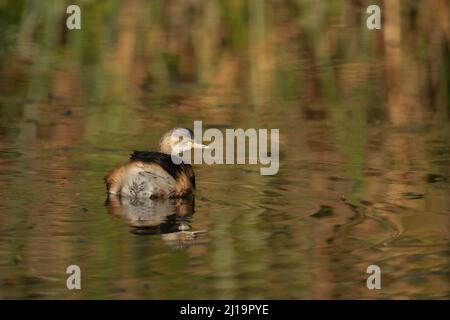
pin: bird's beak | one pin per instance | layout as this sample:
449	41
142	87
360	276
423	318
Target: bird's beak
195	145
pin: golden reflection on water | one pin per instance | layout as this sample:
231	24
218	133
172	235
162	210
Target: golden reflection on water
364	156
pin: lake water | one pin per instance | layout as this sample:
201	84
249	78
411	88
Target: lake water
364	158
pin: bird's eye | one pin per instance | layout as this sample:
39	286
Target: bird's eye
180	138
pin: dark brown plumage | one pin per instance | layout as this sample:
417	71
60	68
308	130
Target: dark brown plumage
165	161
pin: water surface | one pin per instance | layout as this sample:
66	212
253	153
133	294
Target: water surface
364	151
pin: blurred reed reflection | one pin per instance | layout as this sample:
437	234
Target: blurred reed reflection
364	148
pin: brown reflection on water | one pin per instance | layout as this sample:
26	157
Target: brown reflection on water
364	156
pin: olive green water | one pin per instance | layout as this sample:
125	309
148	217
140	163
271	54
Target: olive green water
364	149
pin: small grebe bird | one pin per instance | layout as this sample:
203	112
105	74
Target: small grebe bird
153	174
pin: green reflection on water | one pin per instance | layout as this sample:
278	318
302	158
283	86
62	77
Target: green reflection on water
363	119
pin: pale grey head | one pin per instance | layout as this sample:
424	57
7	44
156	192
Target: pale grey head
178	140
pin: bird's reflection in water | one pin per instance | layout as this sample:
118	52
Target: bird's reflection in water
169	218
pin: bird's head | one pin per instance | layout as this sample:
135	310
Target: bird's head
178	140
